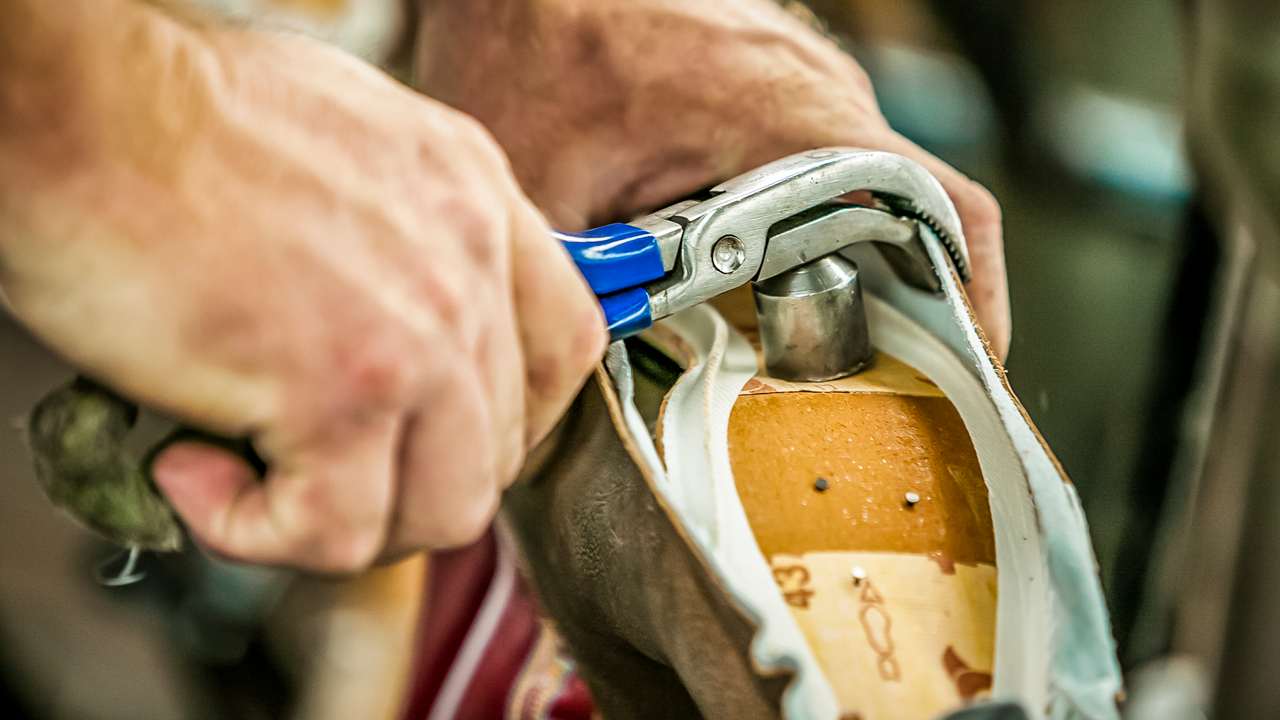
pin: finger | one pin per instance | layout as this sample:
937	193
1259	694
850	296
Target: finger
325	508
562	328
989	289
452	471
195	476
500	376
465	440
979	213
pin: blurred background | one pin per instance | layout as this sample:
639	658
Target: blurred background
1128	142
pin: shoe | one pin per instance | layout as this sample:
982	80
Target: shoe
711	542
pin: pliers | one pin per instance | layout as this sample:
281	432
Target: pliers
761	224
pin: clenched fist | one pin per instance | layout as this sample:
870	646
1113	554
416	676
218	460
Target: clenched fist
262	236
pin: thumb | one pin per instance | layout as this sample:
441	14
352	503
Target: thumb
325	510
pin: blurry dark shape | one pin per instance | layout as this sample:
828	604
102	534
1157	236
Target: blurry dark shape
989	711
1217	585
1173	376
925	89
252	688
1104	109
991	33
215	612
11	705
224	607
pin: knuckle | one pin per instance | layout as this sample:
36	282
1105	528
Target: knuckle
376	376
477	233
465	526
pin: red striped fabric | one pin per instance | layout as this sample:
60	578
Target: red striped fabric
476	643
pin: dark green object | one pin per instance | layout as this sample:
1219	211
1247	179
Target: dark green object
77	435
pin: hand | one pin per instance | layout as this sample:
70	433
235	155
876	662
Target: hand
611	108
262	236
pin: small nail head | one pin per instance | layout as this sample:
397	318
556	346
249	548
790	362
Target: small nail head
859	574
912	498
821	484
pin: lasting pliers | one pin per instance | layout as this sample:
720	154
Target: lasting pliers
761	224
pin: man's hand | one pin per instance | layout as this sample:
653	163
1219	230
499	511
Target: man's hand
262	236
609	108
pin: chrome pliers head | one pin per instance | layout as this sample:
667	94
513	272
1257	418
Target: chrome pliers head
764	223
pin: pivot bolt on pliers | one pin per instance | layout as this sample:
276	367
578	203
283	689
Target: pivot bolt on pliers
762	224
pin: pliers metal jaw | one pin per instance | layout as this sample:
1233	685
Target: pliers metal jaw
764	223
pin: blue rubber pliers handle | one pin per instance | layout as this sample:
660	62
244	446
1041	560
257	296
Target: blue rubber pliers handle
617	260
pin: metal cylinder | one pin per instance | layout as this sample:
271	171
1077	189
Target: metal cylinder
813	324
